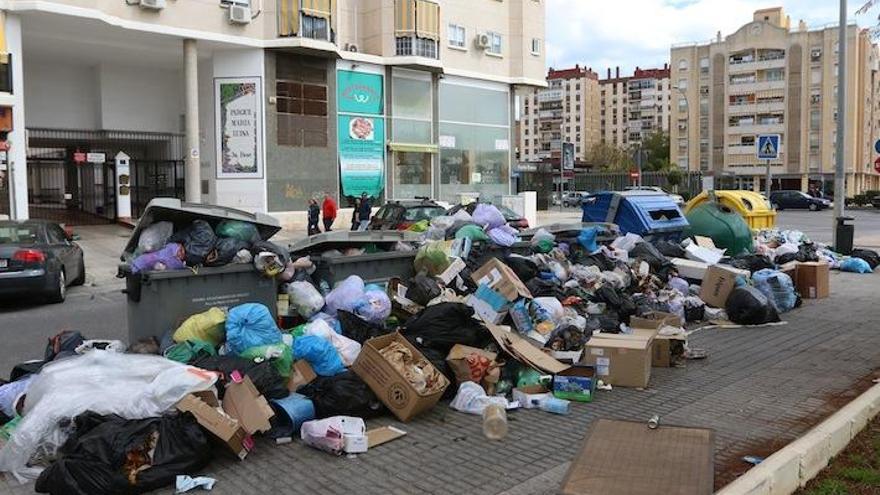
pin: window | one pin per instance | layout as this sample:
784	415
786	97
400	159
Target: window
56	235
814	141
815	119
704	65
536	47
682	104
494	43
315	28
682	64
682	84
816	76
426	47
457	35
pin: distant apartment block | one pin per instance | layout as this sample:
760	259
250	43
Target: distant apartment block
633	107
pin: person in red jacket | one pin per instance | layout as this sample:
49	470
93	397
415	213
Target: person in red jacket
329	209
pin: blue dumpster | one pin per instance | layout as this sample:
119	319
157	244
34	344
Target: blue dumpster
646	213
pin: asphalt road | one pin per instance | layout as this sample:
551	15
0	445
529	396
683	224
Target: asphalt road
99	311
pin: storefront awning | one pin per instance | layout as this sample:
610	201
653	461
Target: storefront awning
414	148
288	17
427	19
404	17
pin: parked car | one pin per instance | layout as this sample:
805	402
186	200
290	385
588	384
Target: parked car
781	200
38	258
574	198
875	201
679	200
402	214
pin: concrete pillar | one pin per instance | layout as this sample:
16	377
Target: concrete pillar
805	182
191	98
17	156
756	185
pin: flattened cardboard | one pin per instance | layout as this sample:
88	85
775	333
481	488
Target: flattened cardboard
454	269
301	374
666	350
666	460
206	409
703	254
812	280
718	283
622	360
690	269
501	278
525	352
656	319
385	434
243	402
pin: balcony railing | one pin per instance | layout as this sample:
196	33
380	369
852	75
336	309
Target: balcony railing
755	108
751	87
746	149
756	128
550	95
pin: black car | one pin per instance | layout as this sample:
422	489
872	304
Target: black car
402	214
782	200
38	258
875	201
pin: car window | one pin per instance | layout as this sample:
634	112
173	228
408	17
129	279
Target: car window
420	213
19	234
56	234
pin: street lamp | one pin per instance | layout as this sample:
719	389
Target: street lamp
839	190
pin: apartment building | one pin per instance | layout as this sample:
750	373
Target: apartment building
771	78
634	107
289	98
567	110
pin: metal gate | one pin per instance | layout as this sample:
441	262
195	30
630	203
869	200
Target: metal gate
4	192
71	193
153	179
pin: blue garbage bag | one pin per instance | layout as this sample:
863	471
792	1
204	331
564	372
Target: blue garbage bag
345	295
587	239
319	353
374	307
250	325
778	287
855	265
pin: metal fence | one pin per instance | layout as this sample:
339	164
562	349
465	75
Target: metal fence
690	185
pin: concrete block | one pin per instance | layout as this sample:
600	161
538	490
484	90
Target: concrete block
784	467
838	429
814	450
756	481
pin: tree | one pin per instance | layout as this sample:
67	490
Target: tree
657	147
609	157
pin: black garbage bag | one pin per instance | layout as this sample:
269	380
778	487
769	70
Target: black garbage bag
198	240
344	394
113	455
786	258
669	249
421	289
694	311
26	368
225	248
263	246
355	328
807	252
617	301
750	262
539	287
580	256
443	325
748	306
868	255
660	265
567	338
524	268
264	375
62	345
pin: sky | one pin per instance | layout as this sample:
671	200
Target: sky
638	33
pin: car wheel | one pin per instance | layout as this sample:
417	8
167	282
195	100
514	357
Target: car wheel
813	207
59	292
81	279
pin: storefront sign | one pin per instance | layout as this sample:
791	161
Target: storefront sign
238	116
360	92
96	157
362	155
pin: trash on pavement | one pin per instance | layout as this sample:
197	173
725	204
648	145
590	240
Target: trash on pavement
624	361
718	282
812	280
336	435
749	306
577	383
184	483
383	435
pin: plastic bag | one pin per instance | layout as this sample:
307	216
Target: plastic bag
258	247
305	298
355	328
748	306
443	325
647	252
680	285
169	257
473	232
345	295
442	222
197	240
109	454
243	257
343	394
524	268
133	386
250	325
868	255
327	434
236	229
587	239
432	258
269	264
190	350
488	216
224	252
750	262
542	235
10	393
421	289
855	265
154	237
348	349
279	355
208	326
552	306
472	399
319	353
670	249
420	226
778	288
783	250
626	242
504	235
375	307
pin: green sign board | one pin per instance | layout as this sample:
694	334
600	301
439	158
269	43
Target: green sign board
358	92
362	154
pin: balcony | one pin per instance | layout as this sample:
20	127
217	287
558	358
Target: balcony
756	129
747	149
755	108
752	87
770	62
550	114
550	95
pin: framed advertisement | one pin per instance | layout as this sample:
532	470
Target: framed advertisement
238	118
362	154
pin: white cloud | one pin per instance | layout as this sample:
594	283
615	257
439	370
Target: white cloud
629	33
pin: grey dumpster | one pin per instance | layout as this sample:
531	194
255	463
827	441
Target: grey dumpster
159	301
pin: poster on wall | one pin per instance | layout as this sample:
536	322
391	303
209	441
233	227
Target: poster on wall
362	154
360	92
238	115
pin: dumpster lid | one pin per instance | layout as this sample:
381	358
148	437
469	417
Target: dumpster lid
181	214
613	231
343	239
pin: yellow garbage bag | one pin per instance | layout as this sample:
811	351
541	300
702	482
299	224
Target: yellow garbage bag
209	326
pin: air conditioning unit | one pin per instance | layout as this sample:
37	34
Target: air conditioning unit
239	14
351	47
482	41
152	4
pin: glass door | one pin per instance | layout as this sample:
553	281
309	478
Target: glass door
412	175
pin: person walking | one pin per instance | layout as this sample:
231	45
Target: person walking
364	210
329	209
314	212
355	223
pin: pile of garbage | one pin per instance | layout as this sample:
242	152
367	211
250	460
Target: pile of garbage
487	320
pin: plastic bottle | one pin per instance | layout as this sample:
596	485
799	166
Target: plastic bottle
494	422
554	405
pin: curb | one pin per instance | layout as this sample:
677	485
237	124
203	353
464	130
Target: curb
798	462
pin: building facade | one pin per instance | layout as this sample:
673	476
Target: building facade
566	111
395	98
634	107
771	78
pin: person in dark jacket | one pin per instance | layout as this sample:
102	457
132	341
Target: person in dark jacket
365	209
355	223
314	213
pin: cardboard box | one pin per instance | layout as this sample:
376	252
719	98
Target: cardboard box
667	350
243	402
206	408
454	269
719	282
655	320
790	269
577	383
623	360
525	352
301	374
485	311
530	397
460	360
392	388
690	269
502	279
812	280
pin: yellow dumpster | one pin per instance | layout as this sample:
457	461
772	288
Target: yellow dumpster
751	205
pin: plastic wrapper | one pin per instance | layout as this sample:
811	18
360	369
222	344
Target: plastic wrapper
305	298
748	306
236	229
472	399
344	394
327	434
347	348
134	386
250	325
587	239
346	295
504	235
778	287
169	257
855	265
319	353
154	237
443	222
208	326
432	258
488	216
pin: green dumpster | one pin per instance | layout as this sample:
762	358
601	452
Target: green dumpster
727	228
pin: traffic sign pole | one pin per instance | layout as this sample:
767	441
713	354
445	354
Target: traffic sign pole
769	179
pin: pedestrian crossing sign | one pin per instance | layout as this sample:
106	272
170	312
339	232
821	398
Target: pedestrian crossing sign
768	146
